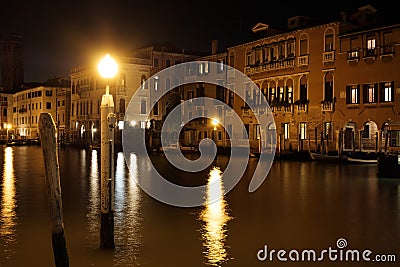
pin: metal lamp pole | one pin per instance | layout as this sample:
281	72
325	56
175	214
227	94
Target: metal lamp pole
107	68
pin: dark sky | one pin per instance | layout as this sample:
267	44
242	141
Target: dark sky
59	35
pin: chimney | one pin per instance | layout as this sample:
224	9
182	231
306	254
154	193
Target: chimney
214	47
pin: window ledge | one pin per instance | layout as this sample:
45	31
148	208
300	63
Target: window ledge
355	105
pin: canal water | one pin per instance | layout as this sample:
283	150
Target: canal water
300	206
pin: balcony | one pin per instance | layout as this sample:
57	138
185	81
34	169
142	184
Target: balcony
353	55
327	106
328	57
370	53
270	66
302	61
387	51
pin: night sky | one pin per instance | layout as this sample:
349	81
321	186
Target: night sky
59	35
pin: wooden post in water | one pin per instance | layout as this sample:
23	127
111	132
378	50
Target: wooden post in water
107	164
47	129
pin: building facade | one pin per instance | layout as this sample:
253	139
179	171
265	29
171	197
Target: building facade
331	86
49	97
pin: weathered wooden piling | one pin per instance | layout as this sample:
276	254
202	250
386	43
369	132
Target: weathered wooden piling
107	170
47	129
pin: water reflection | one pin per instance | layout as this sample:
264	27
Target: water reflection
94	197
127	212
8	219
215	216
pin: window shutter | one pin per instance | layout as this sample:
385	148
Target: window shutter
392	90
358	94
376	92
365	93
348	96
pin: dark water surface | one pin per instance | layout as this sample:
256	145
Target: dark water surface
301	205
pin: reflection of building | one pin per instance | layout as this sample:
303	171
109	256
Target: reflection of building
49	97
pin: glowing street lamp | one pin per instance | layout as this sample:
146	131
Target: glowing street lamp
107	68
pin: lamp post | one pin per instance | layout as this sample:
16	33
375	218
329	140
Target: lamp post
108	68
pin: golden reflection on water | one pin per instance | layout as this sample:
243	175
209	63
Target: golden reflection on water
215	216
127	212
94	196
8	219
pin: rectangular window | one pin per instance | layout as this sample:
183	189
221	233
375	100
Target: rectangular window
156	62
48	105
387	92
155	109
229	131
289	94
395	138
328	42
257	131
303	47
49	92
353	94
156	84
303	130
285	129
370	93
271	95
371	42
327	130
280	97
167	63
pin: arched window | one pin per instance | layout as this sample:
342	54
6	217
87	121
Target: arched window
143	107
303	94
143	81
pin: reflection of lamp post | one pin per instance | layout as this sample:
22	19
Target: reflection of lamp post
108	68
8	129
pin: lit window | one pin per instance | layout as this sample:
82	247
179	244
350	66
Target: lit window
387	94
353	94
285	128
156	82
303	130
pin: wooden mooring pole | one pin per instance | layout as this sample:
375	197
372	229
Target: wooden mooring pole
107	170
47	129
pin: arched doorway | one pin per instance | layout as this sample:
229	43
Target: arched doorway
369	136
349	136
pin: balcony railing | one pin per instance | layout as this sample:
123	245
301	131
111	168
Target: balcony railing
302	108
370	53
273	65
353	55
387	50
302	61
328	57
327	106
